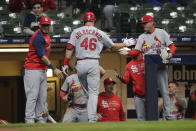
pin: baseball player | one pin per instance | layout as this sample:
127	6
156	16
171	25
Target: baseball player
134	72
35	80
177	105
77	112
88	42
153	41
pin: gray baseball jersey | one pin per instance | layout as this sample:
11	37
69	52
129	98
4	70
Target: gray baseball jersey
89	41
72	82
174	109
154	42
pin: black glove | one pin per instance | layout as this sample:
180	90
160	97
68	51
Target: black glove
120	78
70	99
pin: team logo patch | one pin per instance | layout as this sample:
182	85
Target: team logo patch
46	19
89	17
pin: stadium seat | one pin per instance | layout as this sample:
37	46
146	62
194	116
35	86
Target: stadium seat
122	8
3	2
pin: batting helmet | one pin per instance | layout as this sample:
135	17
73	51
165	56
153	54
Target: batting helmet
89	16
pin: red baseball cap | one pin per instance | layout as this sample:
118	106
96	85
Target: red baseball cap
147	18
109	81
45	20
89	16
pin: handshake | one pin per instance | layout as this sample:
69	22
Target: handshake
129	42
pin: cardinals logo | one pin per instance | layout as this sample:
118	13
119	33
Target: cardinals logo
75	87
72	83
46	19
158	45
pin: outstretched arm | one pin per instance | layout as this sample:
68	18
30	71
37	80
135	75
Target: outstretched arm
127	76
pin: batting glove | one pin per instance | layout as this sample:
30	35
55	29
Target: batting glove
164	54
64	69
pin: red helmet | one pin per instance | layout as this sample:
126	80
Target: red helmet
89	16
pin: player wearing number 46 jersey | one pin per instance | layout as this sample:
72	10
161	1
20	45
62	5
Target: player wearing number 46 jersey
88	42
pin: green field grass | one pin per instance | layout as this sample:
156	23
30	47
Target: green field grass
106	126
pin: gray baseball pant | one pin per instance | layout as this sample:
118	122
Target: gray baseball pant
76	115
35	83
140	108
162	79
89	76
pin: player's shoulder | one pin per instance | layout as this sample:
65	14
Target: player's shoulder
98	30
116	98
70	76
159	30
73	76
129	64
76	30
38	35
142	36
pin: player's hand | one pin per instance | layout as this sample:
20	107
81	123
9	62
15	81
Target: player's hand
58	73
99	116
170	55
64	69
124	52
129	42
65	98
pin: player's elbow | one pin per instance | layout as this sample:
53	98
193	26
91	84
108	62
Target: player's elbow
40	54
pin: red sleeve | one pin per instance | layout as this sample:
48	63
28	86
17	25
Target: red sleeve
134	53
127	76
172	48
122	113
62	94
69	46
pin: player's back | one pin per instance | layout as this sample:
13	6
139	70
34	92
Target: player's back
89	42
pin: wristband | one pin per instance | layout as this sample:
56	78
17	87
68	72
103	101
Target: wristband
66	61
52	66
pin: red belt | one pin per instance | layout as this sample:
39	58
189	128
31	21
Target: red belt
140	96
80	105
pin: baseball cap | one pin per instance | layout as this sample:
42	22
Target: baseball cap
45	20
147	18
109	81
